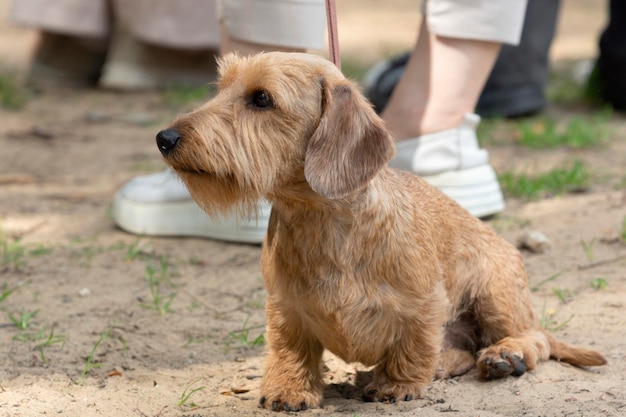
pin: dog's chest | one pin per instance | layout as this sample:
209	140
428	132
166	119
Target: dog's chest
350	315
355	327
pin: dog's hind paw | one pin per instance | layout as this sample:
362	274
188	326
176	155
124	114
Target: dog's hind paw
499	366
391	393
290	402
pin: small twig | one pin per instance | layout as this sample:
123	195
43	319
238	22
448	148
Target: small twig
602	262
145	415
214	309
550	278
12	179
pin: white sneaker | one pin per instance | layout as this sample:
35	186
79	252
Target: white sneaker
159	204
452	161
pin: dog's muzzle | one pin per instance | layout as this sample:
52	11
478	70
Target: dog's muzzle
167	140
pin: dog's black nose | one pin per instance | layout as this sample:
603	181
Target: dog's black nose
167	140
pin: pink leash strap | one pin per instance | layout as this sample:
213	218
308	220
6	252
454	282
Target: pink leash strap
333	38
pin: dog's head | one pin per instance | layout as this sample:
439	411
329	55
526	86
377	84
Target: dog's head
281	123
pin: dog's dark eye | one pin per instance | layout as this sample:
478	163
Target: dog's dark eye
261	100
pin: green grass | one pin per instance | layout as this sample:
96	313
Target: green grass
5	291
622	231
12	95
185	397
579	132
137	249
588	248
243	335
22	320
545	281
574	177
599	283
552	325
90	363
12	253
42	339
177	97
548	132
40	250
564	89
568	90
193	340
547	320
563	294
87	249
354	69
156	279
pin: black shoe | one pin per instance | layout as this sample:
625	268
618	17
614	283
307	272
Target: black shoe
610	71
518	80
380	81
67	61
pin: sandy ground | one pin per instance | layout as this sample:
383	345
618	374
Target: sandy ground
95	347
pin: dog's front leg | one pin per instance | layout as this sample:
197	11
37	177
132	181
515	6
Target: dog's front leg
409	364
404	373
293	379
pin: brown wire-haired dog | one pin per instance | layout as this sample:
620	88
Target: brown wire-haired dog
370	263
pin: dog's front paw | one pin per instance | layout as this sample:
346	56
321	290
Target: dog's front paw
290	401
390	393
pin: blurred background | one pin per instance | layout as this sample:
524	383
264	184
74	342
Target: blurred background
370	30
68	274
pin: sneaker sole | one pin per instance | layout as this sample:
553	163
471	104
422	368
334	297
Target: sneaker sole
185	218
475	189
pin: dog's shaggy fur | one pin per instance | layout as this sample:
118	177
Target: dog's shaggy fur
370	263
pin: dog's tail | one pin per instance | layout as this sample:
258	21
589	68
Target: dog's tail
573	355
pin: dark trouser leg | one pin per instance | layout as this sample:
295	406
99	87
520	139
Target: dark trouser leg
518	80
612	61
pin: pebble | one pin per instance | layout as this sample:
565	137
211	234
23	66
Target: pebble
534	241
96	116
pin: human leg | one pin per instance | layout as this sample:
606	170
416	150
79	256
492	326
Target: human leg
430	111
161	43
611	65
517	83
456	49
443	79
72	42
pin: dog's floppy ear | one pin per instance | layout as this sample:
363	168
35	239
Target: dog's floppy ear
349	146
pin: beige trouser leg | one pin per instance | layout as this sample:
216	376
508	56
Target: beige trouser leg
250	26
184	24
86	18
179	24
